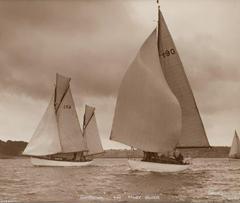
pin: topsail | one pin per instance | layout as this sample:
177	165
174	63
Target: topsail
62	85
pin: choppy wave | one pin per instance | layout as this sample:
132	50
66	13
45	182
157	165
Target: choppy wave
111	179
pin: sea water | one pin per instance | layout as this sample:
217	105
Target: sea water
111	179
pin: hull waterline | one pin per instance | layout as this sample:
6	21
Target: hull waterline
156	167
45	162
234	157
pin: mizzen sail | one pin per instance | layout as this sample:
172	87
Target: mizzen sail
147	114
90	131
193	132
235	148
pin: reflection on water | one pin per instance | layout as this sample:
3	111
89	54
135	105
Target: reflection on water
207	179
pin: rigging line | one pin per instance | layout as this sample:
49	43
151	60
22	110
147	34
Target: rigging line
158	29
62	99
84	126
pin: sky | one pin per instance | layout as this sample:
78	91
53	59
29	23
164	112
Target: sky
93	42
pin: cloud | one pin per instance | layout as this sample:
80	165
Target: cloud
85	40
94	42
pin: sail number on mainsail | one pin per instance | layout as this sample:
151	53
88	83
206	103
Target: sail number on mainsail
168	53
66	106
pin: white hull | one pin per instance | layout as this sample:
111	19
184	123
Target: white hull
156	167
45	162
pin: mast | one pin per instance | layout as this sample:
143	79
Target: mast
158	26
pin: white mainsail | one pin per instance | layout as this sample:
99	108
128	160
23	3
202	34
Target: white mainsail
90	132
70	132
193	133
235	148
45	140
59	130
147	114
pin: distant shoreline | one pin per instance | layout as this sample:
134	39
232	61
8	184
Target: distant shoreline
213	152
13	149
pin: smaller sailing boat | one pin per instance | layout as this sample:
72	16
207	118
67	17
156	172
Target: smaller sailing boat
235	148
58	139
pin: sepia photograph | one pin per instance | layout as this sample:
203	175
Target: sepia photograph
119	101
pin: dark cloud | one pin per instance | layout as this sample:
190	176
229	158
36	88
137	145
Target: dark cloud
82	39
213	71
94	42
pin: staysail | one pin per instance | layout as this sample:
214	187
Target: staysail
235	148
45	140
90	132
59	130
193	132
147	114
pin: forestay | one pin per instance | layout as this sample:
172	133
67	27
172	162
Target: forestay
90	131
193	133
147	114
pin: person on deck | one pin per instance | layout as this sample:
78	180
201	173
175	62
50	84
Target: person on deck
74	156
146	156
82	157
178	157
150	156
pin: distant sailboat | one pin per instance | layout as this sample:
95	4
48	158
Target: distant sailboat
235	148
156	110
58	139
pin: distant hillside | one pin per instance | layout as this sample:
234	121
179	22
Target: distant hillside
118	153
15	148
213	152
11	148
